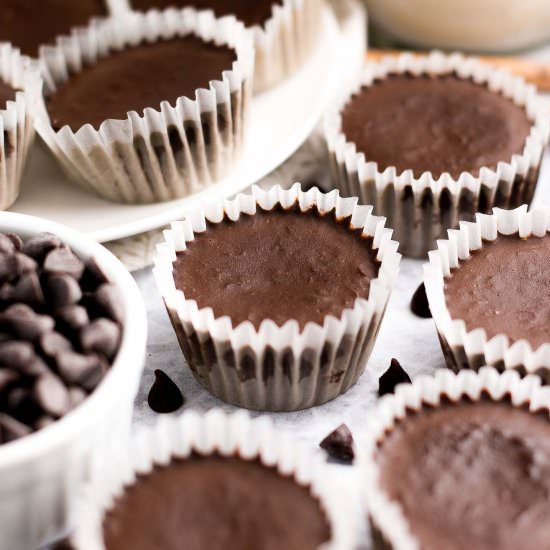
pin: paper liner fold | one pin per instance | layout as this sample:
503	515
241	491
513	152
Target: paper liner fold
277	368
421	209
16	119
465	348
168	151
214	432
389	526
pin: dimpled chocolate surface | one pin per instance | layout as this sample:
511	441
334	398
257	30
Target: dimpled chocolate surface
277	265
30	23
250	12
437	124
7	93
136	78
215	503
504	288
471	476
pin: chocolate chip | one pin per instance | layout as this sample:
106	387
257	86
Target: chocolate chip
63	261
11	429
7	376
64	290
419	303
35	368
16	240
93	276
8	268
6	244
25	323
16	354
109	300
76	396
52	395
101	336
27	290
339	444
82	370
37	247
53	343
164	396
392	377
24	264
43	422
72	317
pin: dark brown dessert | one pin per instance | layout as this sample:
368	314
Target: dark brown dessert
504	288
216	503
60	329
136	78
7	93
471	475
29	24
278	265
434	123
250	13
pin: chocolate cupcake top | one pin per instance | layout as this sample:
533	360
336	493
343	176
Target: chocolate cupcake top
29	24
279	265
504	288
470	475
138	77
434	123
250	13
218	503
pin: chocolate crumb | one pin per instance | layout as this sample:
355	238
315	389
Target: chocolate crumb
419	303
164	396
339	444
392	377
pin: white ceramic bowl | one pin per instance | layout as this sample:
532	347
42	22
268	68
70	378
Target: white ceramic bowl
41	473
470	25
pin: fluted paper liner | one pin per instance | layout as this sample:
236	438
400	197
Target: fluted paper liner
421	209
390	527
213	433
465	348
16	119
168	151
277	368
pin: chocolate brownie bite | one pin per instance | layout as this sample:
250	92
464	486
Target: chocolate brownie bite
29	24
429	141
49	362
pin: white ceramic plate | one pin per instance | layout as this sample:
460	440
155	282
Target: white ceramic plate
281	119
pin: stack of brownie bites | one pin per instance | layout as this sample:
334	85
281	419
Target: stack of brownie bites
276	296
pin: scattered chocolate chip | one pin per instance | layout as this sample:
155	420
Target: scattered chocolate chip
63	261
72	317
52	395
37	247
101	336
11	429
392	377
109	300
164	396
339	444
419	303
53	343
64	290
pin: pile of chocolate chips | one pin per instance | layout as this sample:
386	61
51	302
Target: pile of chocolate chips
60	328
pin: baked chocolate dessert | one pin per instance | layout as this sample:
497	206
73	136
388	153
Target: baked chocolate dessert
471	475
136	78
216	503
435	123
504	288
278	265
28	24
251	13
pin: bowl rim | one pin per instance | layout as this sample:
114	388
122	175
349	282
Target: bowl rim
131	351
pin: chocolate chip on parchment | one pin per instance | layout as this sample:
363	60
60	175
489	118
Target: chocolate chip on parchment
101	336
392	377
339	444
11	429
63	290
419	303
164	396
63	261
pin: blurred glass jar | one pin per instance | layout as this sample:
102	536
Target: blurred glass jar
470	25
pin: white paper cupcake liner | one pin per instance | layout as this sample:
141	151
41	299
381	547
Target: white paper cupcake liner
421	209
16	119
167	151
390	528
471	349
214	433
277	368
